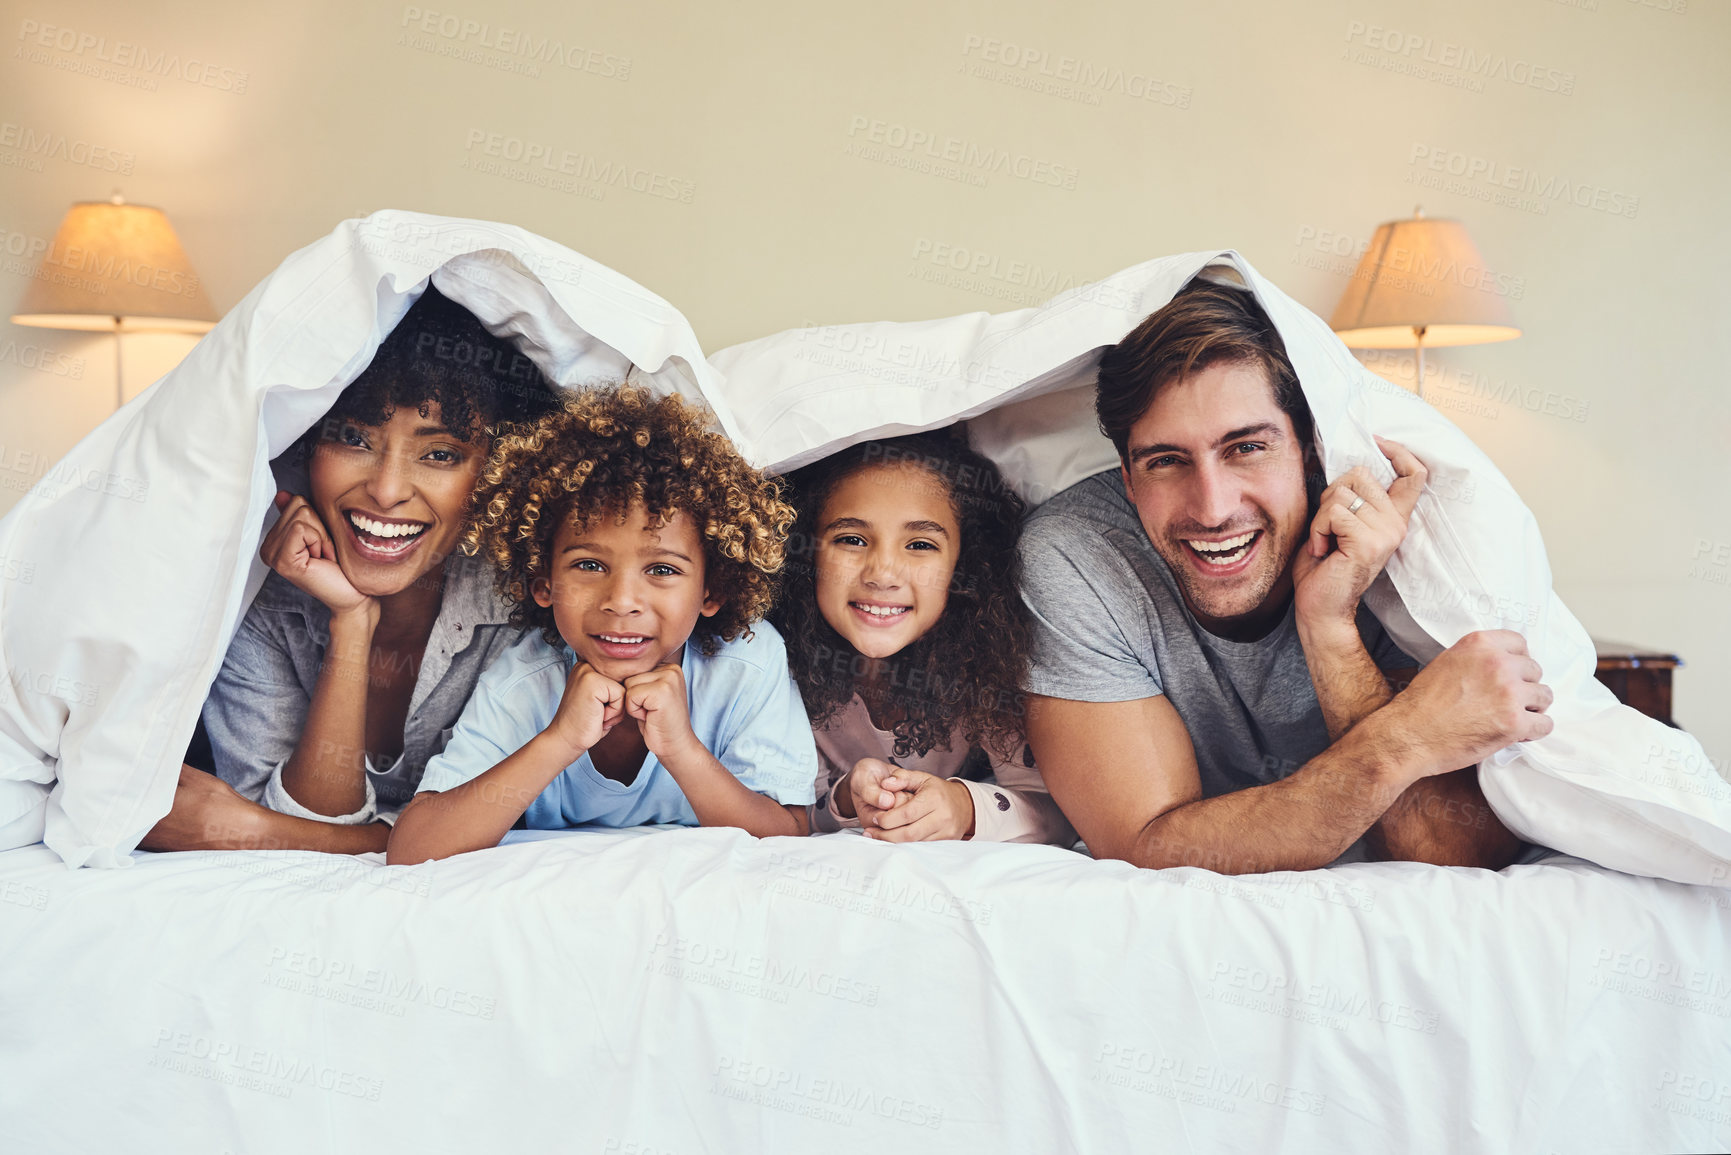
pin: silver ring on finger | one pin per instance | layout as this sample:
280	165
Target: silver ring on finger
1356	502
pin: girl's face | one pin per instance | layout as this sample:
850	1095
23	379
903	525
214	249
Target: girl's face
393	496
626	596
887	546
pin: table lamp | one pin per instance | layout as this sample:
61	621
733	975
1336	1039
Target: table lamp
1421	283
118	268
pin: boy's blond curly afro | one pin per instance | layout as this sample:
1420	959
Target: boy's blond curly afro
604	450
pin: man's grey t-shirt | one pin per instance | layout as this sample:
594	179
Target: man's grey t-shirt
1111	626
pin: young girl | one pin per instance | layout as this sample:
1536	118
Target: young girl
908	639
638	548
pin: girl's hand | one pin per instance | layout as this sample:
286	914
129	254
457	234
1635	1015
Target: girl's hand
299	548
927	808
657	700
866	790
591	706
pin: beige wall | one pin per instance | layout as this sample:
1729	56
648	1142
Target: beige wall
1285	130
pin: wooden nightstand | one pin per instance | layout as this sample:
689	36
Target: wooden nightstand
1640	678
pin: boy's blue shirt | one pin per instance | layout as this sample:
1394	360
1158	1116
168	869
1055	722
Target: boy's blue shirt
744	706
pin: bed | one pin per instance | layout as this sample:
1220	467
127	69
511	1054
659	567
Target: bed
661	991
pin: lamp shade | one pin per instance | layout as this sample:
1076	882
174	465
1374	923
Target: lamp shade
1422	280
116	266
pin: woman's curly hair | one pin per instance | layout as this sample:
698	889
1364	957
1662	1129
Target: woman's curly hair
963	676
604	450
439	354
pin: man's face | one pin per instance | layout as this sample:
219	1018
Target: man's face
1216	473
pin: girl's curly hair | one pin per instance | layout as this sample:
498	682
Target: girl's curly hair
963	677
604	450
440	354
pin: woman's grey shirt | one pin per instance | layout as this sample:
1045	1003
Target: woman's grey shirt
257	708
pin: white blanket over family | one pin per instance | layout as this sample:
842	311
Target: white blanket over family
682	987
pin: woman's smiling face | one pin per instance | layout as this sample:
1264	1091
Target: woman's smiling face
887	546
393	496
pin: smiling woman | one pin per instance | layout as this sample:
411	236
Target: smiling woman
361	648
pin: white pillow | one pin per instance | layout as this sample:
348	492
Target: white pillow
1610	784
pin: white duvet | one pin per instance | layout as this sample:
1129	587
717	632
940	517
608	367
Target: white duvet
148	530
662	992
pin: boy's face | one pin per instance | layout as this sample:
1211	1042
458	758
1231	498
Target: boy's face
887	546
393	496
626	596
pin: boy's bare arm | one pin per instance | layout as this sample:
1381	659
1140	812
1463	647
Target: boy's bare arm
720	799
476	815
657	699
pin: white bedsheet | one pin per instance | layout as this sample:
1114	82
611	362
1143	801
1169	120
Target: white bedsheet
698	990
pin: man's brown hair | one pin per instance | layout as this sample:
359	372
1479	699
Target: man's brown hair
1205	324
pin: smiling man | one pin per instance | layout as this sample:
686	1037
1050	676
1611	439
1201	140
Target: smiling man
1206	688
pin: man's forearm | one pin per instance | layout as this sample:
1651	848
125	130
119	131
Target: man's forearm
1349	687
1302	822
1443	820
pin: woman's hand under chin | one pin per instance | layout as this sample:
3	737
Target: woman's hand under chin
299	547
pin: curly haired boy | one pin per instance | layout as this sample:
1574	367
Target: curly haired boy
642	550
